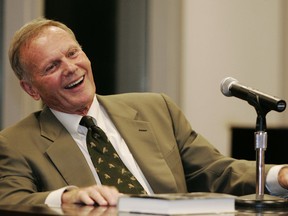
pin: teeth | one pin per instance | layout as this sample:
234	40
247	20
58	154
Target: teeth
75	83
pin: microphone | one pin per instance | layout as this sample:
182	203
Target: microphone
231	87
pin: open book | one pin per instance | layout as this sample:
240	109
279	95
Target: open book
177	203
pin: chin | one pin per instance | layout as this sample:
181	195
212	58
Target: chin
86	102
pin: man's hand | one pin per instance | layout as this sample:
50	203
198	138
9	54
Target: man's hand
97	194
283	177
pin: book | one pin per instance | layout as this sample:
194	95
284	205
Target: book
177	203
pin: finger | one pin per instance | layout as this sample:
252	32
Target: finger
97	197
110	194
77	196
83	196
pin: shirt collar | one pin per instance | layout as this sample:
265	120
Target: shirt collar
71	121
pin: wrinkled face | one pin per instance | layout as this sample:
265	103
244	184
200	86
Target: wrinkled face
60	72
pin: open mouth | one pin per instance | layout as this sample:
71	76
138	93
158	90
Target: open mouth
75	84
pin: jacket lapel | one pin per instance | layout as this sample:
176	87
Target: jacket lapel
64	152
141	141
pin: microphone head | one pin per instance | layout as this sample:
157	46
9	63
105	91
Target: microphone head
226	84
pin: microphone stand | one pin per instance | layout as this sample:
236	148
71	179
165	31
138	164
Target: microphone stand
260	200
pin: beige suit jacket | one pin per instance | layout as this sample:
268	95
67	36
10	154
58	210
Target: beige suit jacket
38	155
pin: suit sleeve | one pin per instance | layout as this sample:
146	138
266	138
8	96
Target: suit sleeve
17	183
205	168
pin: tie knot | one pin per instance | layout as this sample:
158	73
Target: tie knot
88	122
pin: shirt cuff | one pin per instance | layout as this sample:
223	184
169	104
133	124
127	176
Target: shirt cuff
272	183
54	198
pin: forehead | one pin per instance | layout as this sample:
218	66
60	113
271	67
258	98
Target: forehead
50	34
50	38
47	44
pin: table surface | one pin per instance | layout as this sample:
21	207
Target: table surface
110	211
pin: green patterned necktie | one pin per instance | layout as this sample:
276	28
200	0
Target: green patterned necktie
109	167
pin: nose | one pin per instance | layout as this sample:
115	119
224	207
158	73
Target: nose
69	67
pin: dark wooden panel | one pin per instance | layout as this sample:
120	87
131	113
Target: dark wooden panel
93	22
277	144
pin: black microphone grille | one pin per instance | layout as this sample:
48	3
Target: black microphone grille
226	84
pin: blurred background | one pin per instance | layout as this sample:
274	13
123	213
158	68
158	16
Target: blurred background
183	48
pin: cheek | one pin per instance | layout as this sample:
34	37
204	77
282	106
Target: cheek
84	62
48	85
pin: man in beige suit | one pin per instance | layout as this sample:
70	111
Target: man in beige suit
44	158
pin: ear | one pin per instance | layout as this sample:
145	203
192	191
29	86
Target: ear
27	86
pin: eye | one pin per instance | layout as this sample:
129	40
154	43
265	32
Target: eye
72	52
51	67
